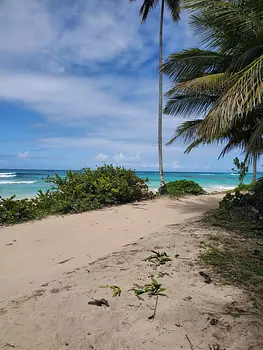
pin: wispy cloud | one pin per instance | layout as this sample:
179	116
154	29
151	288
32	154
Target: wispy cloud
101	157
23	154
83	76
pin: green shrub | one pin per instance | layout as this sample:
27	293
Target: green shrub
77	192
243	211
245	187
183	188
15	211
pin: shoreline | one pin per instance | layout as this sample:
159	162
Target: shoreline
25	183
209	190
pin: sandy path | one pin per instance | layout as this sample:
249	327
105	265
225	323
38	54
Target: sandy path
194	315
38	247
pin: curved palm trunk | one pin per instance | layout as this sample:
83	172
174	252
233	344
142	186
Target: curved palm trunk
162	188
254	178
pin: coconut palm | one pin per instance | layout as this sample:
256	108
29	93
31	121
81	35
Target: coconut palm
223	84
233	27
174	8
237	137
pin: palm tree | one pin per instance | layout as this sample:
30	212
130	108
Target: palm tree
233	27
174	7
224	85
237	137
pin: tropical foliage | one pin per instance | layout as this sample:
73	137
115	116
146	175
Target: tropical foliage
222	84
77	192
183	188
241	168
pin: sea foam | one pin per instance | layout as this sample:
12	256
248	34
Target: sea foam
16	182
5	175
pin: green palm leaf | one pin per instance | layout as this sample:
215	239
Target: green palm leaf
244	95
194	63
174	7
187	131
211	84
189	105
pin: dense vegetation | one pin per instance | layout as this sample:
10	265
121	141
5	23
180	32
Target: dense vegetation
183	188
235	249
242	211
77	192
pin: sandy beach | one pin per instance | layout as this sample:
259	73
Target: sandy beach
50	270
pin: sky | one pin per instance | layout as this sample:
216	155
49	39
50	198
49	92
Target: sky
79	87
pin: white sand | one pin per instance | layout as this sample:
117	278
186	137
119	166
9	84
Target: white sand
44	305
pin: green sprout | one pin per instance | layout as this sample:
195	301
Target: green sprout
161	258
116	290
155	288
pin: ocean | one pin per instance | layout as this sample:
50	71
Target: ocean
25	183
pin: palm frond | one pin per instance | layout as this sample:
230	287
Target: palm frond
244	95
230	146
255	142
227	23
246	58
174	7
194	62
194	144
189	105
211	84
146	7
187	131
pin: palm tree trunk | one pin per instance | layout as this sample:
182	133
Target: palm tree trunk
162	188
254	178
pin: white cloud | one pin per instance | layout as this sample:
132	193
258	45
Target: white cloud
90	68
176	165
101	157
23	154
80	32
121	158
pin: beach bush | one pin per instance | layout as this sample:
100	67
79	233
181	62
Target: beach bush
183	188
16	211
77	192
245	187
243	211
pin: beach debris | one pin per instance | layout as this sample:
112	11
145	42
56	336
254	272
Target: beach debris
99	302
159	257
213	321
189	341
162	274
207	278
45	284
64	261
55	290
116	290
216	347
8	345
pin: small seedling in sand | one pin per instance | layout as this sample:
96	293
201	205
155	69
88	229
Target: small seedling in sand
155	288
116	291
159	257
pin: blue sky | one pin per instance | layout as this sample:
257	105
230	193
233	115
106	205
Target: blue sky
78	87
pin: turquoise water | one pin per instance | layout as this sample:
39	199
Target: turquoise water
25	183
